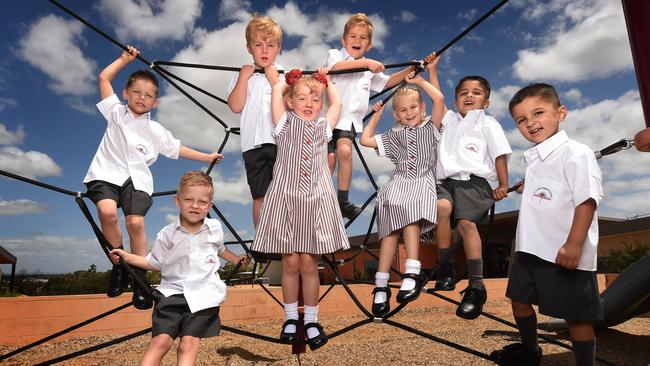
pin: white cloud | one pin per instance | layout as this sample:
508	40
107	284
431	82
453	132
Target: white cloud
575	96
11	138
406	16
7	103
594	46
469	14
152	21
21	207
234	10
227	46
233	188
30	164
52	46
30	251
499	100
169	218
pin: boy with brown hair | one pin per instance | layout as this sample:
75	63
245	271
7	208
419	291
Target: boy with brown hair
557	233
250	95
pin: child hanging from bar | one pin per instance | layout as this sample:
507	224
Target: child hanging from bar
300	216
407	203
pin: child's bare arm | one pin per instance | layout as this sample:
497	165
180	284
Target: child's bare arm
131	259
191	154
432	66
234	259
334	110
107	75
367	138
237	97
277	100
397	77
372	65
569	254
501	166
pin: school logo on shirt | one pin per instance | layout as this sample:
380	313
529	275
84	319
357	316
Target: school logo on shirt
210	259
141	148
472	147
543	193
366	87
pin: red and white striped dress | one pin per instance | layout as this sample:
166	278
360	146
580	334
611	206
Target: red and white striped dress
410	195
300	211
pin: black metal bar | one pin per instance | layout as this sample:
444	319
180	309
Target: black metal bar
95	348
37	183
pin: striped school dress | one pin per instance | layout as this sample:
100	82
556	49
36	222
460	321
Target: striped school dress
300	212
410	195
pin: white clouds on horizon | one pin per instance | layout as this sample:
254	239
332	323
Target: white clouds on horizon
150	21
21	207
11	138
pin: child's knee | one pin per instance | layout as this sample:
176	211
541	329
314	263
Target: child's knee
521	310
161	342
344	151
135	223
107	215
188	344
291	264
444	209
466	227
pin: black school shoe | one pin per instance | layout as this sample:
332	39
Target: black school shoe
382	308
516	354
472	303
320	340
404	296
142	299
118	281
286	336
349	210
445	284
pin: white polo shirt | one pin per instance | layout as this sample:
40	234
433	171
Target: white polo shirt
560	175
188	263
354	90
470	145
129	146
256	124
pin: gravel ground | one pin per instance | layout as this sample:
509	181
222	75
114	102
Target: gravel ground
369	344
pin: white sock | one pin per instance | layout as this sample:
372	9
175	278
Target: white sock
412	266
381	280
291	312
311	316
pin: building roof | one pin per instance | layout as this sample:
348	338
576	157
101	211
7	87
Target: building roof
6	257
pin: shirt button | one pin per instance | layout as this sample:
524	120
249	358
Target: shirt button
305	174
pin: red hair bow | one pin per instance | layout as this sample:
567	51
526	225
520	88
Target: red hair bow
320	77
292	76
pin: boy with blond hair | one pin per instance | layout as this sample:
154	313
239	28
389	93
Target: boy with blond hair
354	89
556	245
250	95
119	174
186	253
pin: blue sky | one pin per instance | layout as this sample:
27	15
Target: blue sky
50	129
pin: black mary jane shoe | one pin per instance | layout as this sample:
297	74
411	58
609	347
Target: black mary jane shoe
318	341
516	354
404	296
286	336
382	308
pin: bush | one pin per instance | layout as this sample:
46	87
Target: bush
619	259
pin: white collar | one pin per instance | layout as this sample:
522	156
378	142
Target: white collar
346	54
546	147
398	126
473	115
207	224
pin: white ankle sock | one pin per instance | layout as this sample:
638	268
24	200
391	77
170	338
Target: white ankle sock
311	316
381	280
412	266
290	312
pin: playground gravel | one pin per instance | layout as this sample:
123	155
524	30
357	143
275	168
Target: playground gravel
369	344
